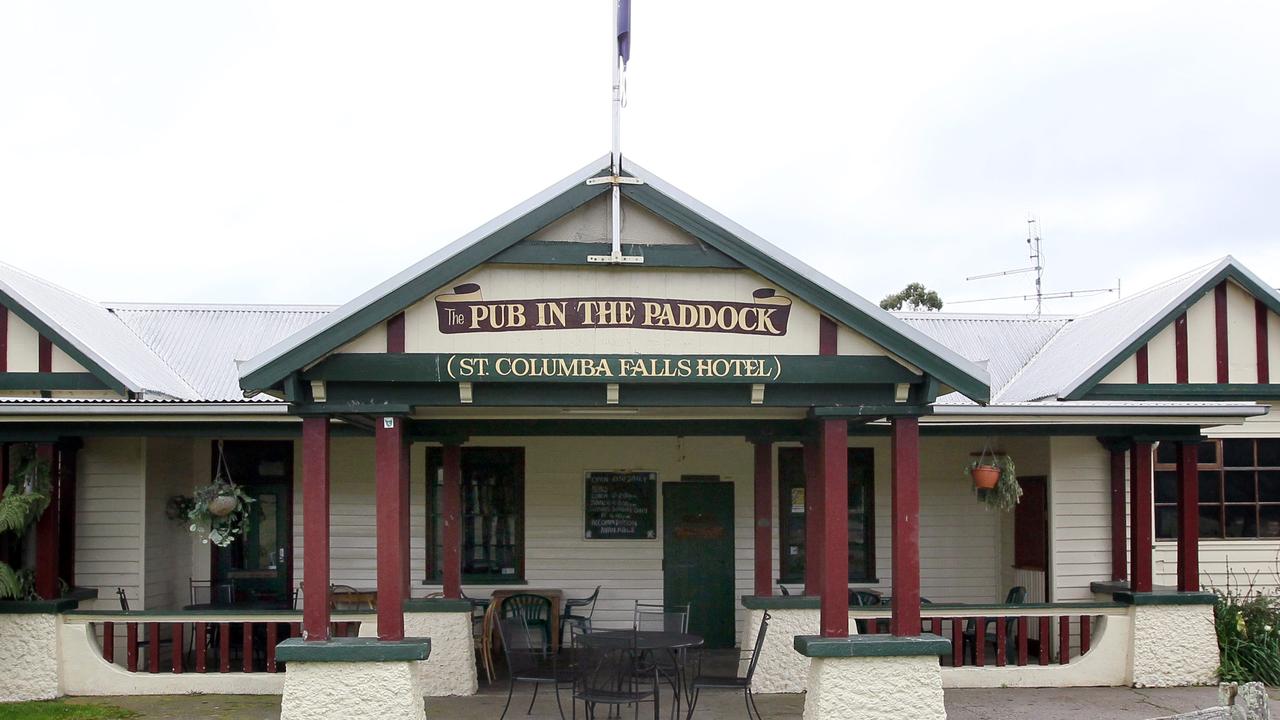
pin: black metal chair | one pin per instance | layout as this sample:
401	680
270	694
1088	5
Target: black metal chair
569	617
1017	595
607	672
529	662
725	682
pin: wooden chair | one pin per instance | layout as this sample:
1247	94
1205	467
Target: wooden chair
706	682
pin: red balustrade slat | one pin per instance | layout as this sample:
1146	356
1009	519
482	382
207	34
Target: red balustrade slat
271	646
176	630
1002	652
1064	640
200	638
131	646
109	642
247	632
957	642
224	647
1084	634
1044	640
1024	628
153	647
935	626
980	642
295	630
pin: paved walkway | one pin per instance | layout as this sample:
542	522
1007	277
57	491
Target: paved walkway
995	704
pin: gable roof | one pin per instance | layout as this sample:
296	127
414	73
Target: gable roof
1089	347
390	297
86	331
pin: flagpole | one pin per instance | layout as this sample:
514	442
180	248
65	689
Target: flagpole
616	151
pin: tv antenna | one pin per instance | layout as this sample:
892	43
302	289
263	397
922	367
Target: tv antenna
1035	252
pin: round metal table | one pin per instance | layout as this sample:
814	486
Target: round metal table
643	639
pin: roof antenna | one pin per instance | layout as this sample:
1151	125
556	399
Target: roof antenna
1036	253
621	54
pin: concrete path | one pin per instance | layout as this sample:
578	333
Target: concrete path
994	704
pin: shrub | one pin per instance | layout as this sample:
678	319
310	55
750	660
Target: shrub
1248	625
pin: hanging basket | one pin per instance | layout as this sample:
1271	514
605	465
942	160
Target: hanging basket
223	505
985	477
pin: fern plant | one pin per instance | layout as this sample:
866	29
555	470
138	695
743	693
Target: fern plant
24	500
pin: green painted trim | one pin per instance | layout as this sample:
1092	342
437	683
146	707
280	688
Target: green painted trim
816	646
354	650
433	368
437	605
547	252
110	381
51	381
213	613
20	429
434	430
993	609
40	607
419	287
1159	595
781	602
1210	392
1090	385
801	286
872	411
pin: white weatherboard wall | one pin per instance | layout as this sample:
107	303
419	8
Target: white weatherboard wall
1080	516
168	564
109	519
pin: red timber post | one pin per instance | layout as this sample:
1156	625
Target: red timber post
1119	533
812	517
49	529
315	528
764	516
451	521
1140	506
1188	518
833	444
392	531
906	526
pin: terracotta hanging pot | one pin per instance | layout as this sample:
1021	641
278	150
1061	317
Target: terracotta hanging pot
985	477
223	505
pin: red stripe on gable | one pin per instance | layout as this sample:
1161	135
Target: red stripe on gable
826	335
395	333
46	354
1180	347
1144	371
1264	353
1220	331
4	339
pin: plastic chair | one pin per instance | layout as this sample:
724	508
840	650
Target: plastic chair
535	610
1017	595
568	616
706	682
529	662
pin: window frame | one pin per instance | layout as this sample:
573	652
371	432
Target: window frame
432	574
861	460
1220	468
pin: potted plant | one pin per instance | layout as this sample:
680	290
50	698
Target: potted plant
1004	493
219	512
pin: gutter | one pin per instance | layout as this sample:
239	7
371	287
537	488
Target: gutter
1234	410
144	410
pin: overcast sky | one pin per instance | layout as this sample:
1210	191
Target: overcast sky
302	152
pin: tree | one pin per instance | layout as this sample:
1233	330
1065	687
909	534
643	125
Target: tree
22	503
915	296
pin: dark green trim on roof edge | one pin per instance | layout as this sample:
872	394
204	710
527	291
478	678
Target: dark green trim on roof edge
419	287
22	430
548	252
1092	383
51	381
816	646
109	380
354	650
1208	392
804	288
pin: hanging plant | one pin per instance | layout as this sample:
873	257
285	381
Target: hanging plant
220	510
1006	492
178	507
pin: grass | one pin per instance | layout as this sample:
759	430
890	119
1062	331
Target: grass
59	710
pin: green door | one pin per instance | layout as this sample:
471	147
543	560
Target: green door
697	559
257	565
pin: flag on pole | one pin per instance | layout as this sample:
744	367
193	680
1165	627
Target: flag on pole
624	31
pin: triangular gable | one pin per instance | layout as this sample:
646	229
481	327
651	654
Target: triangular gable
1195	337
718	242
89	350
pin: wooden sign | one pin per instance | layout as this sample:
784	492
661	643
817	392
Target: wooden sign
621	505
465	311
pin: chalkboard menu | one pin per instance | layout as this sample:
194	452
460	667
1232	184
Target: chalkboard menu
621	506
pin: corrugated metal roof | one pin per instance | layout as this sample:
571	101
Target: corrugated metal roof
88	327
1093	338
1001	343
203	342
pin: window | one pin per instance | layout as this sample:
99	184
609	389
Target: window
1239	494
492	515
862	556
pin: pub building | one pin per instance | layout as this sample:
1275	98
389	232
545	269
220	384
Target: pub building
712	423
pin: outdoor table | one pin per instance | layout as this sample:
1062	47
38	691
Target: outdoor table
674	643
